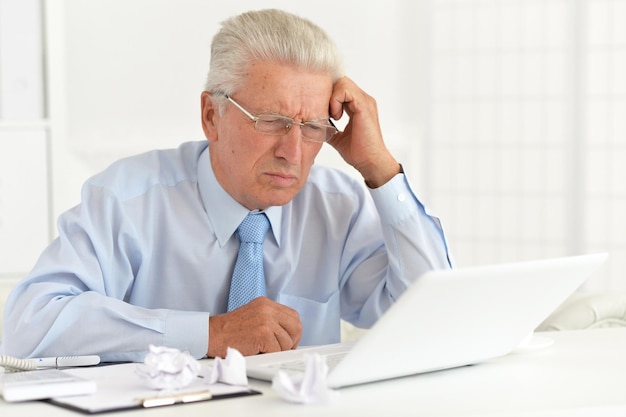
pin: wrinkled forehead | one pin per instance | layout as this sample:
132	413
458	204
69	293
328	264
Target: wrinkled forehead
285	89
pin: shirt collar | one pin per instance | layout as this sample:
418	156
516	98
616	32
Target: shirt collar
224	212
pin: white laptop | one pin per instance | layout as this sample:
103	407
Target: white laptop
446	319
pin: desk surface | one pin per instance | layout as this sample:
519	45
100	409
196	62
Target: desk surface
582	374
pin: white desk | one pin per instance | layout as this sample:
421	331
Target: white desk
582	374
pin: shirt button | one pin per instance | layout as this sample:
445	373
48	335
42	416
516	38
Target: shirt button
401	197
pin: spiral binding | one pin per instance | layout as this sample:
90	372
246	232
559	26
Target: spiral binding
11	363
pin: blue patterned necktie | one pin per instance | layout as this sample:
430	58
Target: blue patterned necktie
248	281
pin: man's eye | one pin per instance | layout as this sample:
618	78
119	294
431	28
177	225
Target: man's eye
274	120
314	127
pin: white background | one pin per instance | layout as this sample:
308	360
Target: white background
508	115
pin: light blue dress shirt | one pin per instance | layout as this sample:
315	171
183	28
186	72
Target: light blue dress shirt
147	256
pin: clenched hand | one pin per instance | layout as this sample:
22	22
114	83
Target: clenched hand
261	326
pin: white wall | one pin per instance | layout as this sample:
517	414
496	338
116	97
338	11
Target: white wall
507	115
526	134
24	170
126	76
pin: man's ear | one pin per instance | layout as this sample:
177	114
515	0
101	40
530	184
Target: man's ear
209	113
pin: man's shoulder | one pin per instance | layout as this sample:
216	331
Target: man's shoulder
333	192
333	178
137	173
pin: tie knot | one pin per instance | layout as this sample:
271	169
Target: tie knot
253	228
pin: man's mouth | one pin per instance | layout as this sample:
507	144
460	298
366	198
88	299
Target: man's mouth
282	179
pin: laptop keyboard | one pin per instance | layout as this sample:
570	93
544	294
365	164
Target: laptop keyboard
298	365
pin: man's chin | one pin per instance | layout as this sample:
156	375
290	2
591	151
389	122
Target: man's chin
279	198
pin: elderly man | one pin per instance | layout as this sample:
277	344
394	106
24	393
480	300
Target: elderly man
157	252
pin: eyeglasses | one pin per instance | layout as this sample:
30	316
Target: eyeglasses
277	124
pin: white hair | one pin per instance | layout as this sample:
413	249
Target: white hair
268	35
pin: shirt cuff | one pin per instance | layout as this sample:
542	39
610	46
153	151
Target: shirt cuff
395	200
188	331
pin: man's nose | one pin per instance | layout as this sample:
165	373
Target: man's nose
289	145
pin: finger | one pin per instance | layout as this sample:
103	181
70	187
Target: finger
268	342
335	109
340	96
284	339
288	327
289	319
273	337
296	342
343	102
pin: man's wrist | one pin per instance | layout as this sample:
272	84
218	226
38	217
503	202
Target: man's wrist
380	176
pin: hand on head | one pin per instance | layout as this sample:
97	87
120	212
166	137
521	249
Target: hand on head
361	143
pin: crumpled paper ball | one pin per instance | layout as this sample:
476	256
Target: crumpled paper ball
168	368
231	370
309	388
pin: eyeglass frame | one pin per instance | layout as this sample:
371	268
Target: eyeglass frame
289	122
